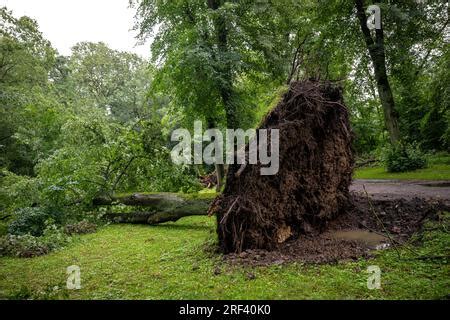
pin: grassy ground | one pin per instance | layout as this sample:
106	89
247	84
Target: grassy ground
438	169
170	261
433	172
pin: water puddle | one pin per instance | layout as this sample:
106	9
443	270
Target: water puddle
371	239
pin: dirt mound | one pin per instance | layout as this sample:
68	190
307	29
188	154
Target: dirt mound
394	220
311	186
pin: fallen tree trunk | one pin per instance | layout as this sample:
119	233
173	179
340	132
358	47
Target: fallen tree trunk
156	200
151	217
162	207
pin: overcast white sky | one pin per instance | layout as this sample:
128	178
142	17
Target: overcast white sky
66	22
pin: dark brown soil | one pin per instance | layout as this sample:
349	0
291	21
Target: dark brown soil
312	184
396	219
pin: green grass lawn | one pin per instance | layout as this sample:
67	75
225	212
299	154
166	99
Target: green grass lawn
170	261
438	169
433	172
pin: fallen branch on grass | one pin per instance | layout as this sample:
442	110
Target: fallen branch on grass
150	217
162	207
360	164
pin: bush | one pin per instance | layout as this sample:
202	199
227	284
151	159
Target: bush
54	238
81	227
17	191
27	245
404	157
32	220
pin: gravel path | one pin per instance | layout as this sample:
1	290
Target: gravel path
392	189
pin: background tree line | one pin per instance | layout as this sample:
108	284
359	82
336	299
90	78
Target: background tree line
99	121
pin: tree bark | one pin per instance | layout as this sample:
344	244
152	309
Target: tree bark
220	174
378	57
219	167
152	218
155	201
225	86
162	207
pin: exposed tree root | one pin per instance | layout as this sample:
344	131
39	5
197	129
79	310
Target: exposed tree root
311	187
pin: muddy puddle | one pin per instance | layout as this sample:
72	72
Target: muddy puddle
345	239
370	239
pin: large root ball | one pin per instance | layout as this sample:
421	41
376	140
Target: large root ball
312	185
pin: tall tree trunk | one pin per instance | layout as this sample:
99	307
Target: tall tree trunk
220	174
378	57
225	86
219	167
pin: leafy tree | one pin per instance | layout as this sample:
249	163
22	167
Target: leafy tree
115	81
214	54
409	50
25	61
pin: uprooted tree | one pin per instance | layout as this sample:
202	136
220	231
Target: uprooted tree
261	211
312	185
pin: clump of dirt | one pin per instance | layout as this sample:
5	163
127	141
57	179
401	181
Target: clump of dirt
395	219
311	186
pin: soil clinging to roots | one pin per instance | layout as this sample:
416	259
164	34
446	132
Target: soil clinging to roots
396	220
312	185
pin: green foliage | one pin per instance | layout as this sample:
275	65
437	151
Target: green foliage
98	156
99	120
231	49
404	157
76	127
17	191
27	245
26	58
33	220
113	81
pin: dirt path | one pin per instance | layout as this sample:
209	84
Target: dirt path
407	189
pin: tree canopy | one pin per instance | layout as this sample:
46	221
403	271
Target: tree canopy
99	120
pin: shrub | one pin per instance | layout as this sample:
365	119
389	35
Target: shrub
17	191
54	238
404	157
32	220
81	227
27	245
